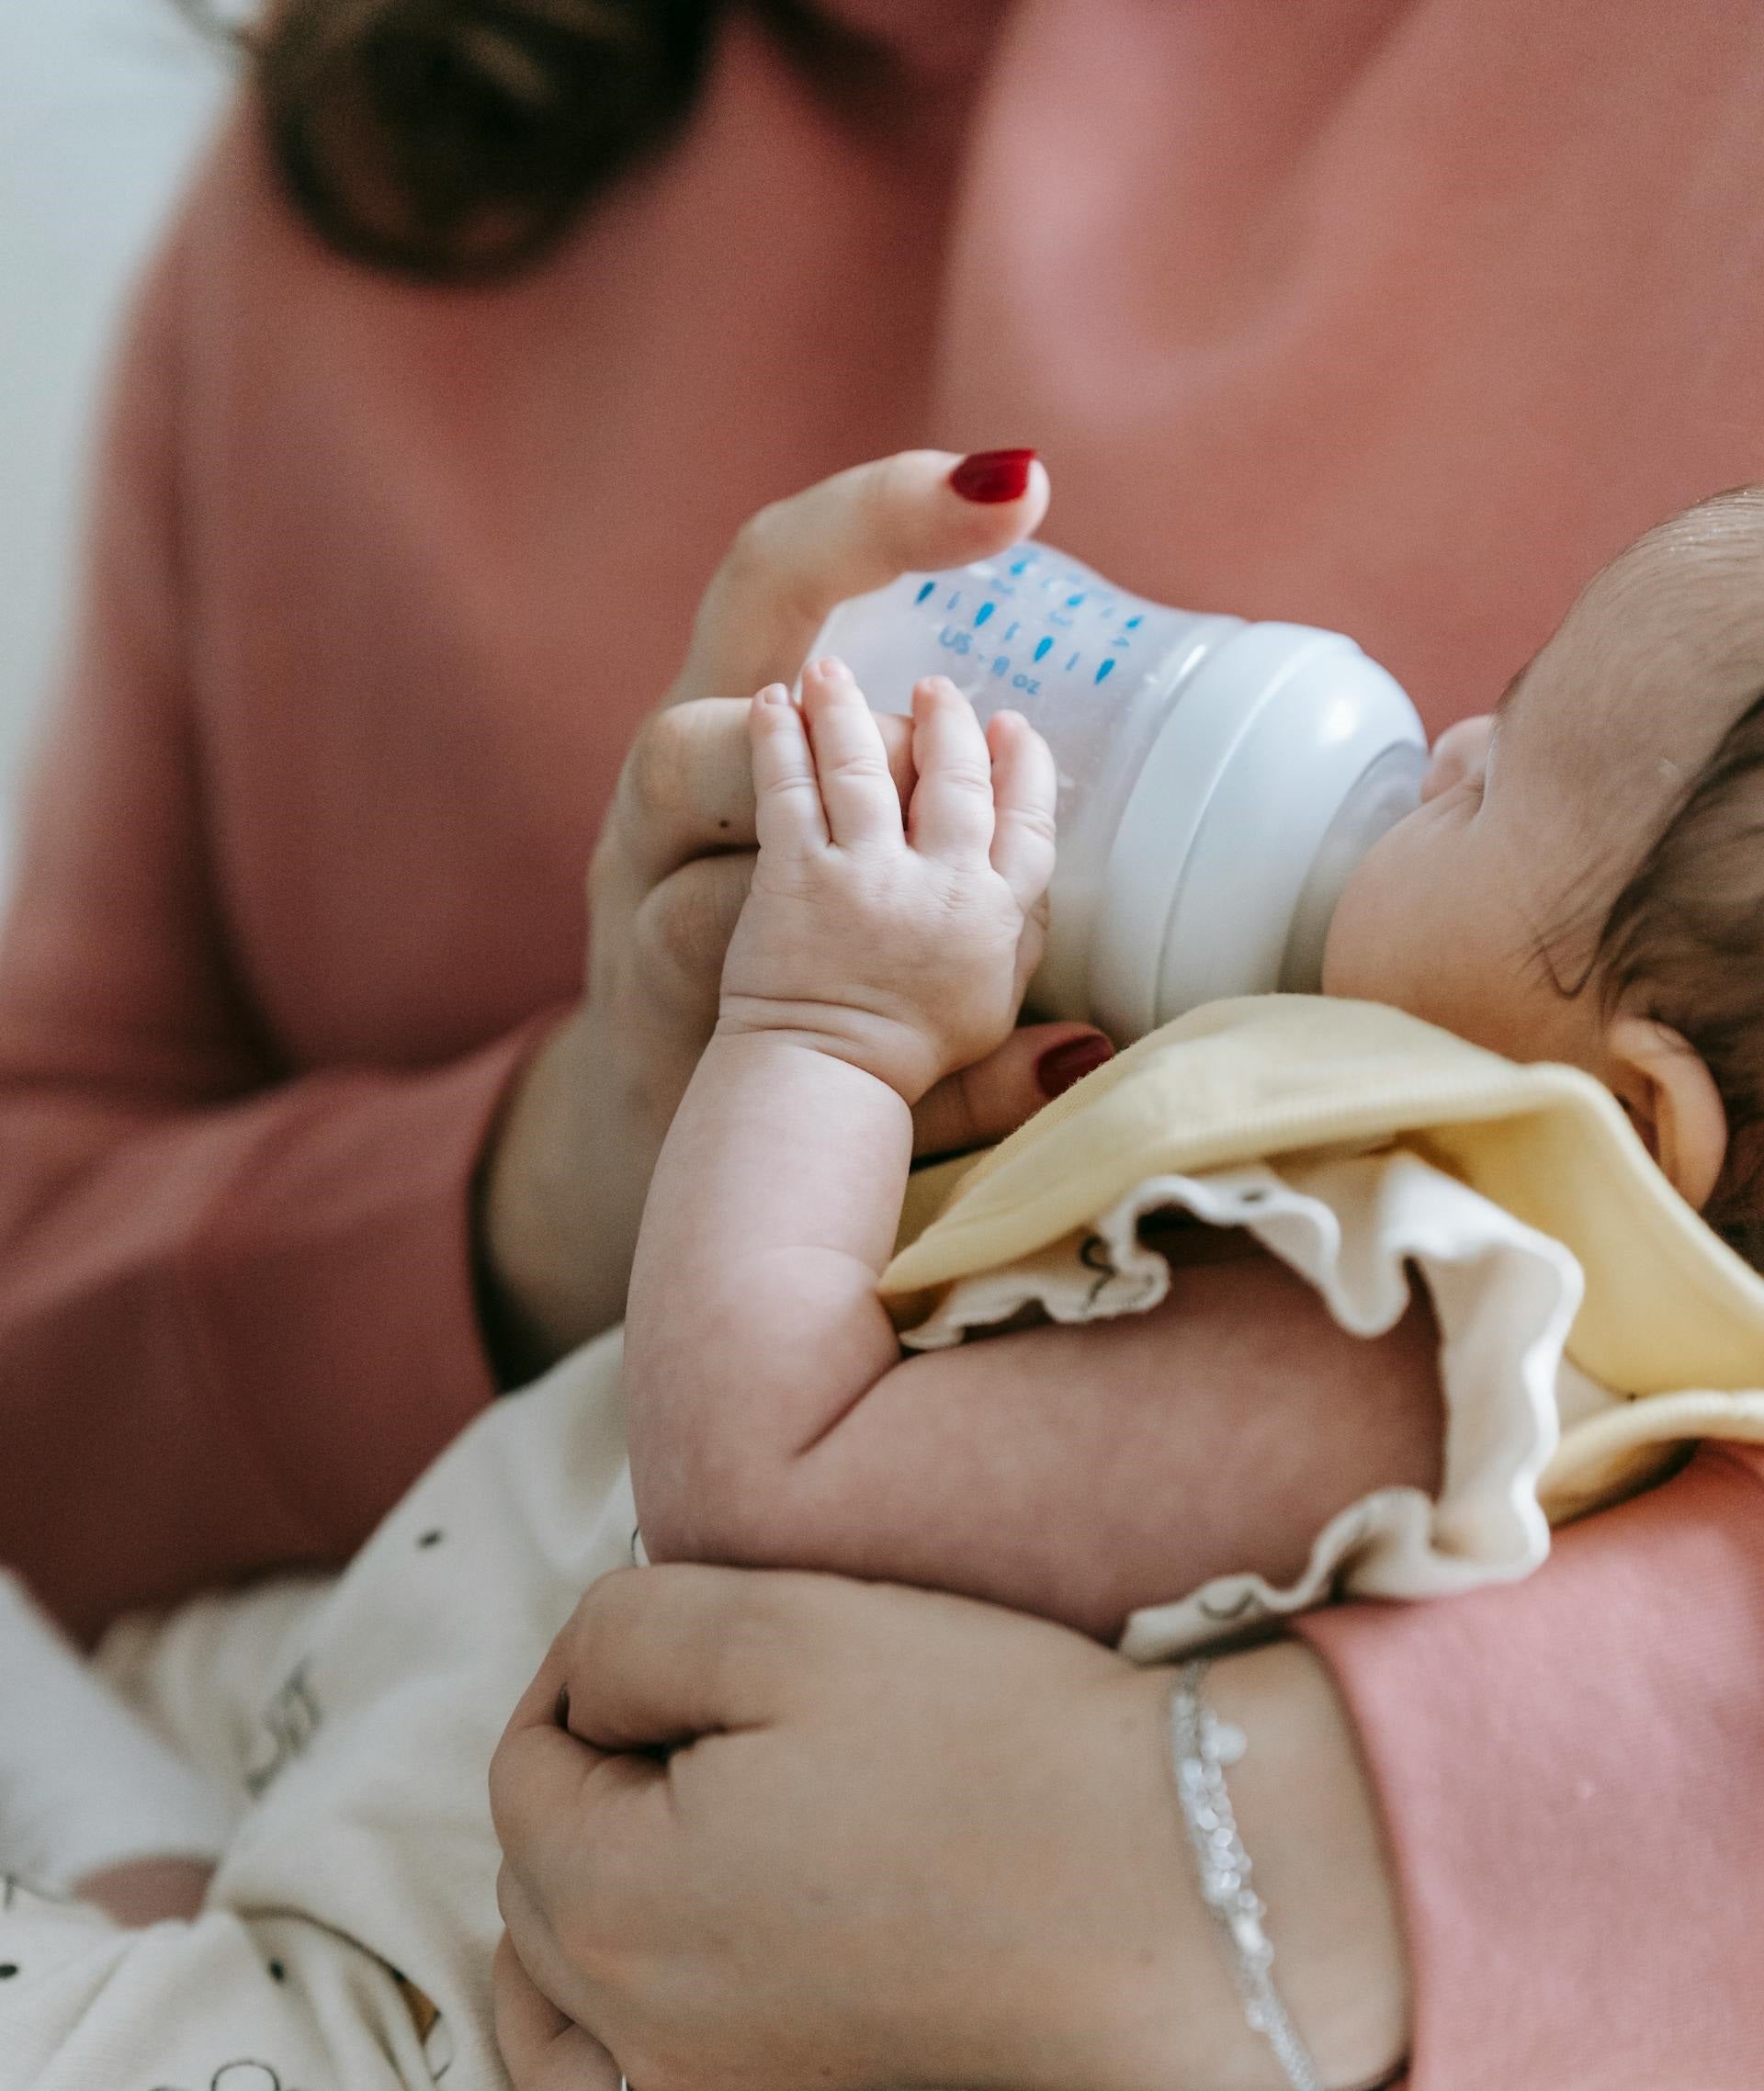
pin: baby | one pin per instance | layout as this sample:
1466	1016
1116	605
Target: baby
1581	884
1578	887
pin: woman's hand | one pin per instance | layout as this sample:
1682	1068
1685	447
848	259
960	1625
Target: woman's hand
563	1183
767	1831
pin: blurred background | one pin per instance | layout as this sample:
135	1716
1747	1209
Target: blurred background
103	104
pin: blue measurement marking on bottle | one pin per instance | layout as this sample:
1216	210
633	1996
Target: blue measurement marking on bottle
1071	665
1044	647
924	592
1133	624
1023	566
954	598
984	612
1072	602
1103	672
1011	631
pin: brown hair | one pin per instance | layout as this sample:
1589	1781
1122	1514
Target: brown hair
1684	943
458	139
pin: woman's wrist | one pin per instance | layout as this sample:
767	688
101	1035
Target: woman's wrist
559	1198
1163	2011
1309	1820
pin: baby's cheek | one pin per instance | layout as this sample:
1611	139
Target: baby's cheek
1364	942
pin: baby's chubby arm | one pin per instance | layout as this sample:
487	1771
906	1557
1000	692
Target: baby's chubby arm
1074	1472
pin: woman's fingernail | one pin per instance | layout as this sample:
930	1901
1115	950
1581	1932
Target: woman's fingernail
993	474
1071	1061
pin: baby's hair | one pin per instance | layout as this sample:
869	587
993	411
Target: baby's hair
1683	943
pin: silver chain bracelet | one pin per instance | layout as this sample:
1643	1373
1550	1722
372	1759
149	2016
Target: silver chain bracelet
1201	1745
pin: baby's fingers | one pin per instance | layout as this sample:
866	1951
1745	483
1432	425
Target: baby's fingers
951	815
1024	789
857	791
789	818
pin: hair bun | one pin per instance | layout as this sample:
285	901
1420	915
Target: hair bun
459	138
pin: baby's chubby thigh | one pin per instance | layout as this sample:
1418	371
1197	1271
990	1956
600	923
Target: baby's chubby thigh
368	1762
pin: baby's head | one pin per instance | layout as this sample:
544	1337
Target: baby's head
1584	880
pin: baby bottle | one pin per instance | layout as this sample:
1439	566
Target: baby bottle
1218	780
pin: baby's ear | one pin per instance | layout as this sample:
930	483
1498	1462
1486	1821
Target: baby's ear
1665	1085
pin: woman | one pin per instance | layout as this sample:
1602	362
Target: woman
1332	314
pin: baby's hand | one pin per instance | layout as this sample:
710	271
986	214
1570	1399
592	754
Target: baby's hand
901	947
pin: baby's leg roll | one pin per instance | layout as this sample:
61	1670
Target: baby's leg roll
85	1785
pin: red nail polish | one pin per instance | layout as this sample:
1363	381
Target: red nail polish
993	474
1071	1061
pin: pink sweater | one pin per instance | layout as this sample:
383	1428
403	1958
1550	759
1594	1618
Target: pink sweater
1395	317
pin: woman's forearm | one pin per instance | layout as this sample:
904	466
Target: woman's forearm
559	1197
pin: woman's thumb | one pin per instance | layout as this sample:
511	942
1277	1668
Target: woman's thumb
918	511
983	1103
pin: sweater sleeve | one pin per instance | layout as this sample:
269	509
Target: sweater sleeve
237	1307
1569	1769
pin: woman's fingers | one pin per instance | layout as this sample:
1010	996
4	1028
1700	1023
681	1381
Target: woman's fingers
1025	788
653	1657
862	805
559	1806
987	1102
543	2049
687	789
686	786
682	929
793	561
538	1761
950	814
